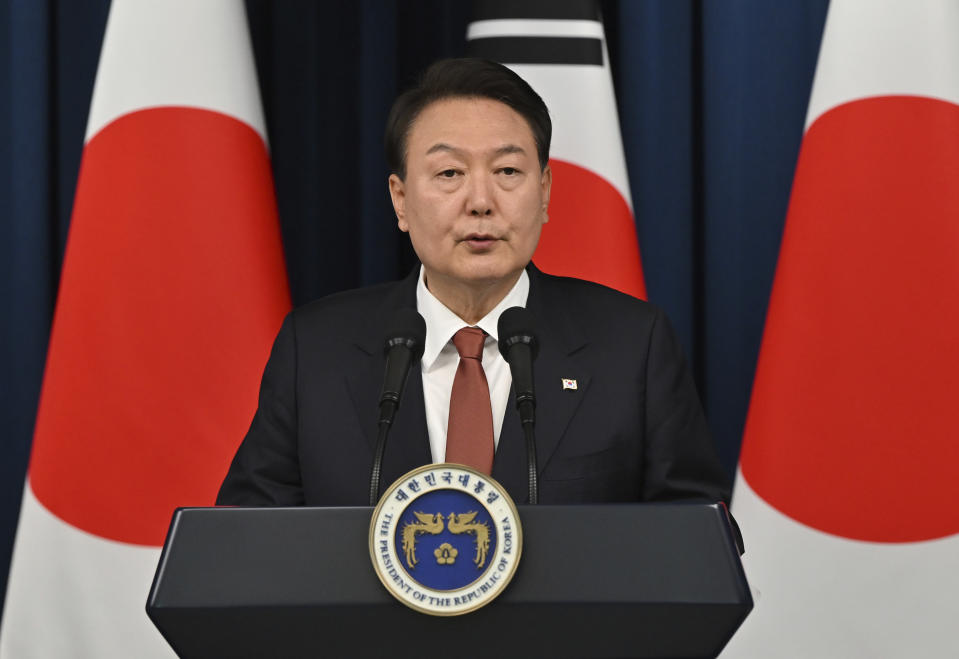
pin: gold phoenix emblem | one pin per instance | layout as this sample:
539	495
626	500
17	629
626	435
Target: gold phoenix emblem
427	523
464	523
446	553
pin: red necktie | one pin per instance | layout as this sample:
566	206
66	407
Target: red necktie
469	437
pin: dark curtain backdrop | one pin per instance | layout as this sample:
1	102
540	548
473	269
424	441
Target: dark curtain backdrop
712	98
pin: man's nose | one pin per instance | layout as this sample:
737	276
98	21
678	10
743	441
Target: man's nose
480	199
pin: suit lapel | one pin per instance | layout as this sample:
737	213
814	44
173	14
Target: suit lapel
560	357
408	444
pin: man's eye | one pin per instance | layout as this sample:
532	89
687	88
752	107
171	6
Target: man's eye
448	173
509	171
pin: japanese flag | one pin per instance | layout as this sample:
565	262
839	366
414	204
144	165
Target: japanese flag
172	289
849	474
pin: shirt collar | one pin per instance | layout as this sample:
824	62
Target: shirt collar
442	324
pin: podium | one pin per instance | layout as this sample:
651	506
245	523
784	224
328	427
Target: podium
613	580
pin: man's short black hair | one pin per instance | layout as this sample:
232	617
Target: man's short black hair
467	77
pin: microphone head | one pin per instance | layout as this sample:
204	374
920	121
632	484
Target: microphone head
407	327
517	325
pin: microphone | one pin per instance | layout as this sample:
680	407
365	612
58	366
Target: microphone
404	344
519	346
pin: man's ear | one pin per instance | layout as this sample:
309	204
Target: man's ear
398	195
546	185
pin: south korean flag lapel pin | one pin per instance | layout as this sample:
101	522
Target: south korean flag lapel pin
569	384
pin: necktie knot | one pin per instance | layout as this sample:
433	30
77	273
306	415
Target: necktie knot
469	342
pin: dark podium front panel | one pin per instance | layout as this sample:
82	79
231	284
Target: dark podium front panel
627	580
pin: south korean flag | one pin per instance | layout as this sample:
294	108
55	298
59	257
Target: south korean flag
559	48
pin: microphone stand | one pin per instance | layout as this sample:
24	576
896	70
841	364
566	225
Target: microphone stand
387	410
528	419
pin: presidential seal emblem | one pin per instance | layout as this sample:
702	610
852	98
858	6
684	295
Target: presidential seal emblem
445	539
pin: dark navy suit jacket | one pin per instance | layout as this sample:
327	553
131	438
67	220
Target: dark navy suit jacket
632	430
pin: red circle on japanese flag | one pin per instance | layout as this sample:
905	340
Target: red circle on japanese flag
853	427
172	290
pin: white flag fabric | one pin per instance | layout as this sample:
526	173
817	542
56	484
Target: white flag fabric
172	289
849	472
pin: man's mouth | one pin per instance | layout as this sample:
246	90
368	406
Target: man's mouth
479	240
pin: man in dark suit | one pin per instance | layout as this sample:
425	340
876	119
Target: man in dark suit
618	418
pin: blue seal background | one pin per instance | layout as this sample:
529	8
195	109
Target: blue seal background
463	571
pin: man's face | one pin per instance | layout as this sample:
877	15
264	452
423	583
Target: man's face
474	199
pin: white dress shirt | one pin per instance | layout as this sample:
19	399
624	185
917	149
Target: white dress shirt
440	360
